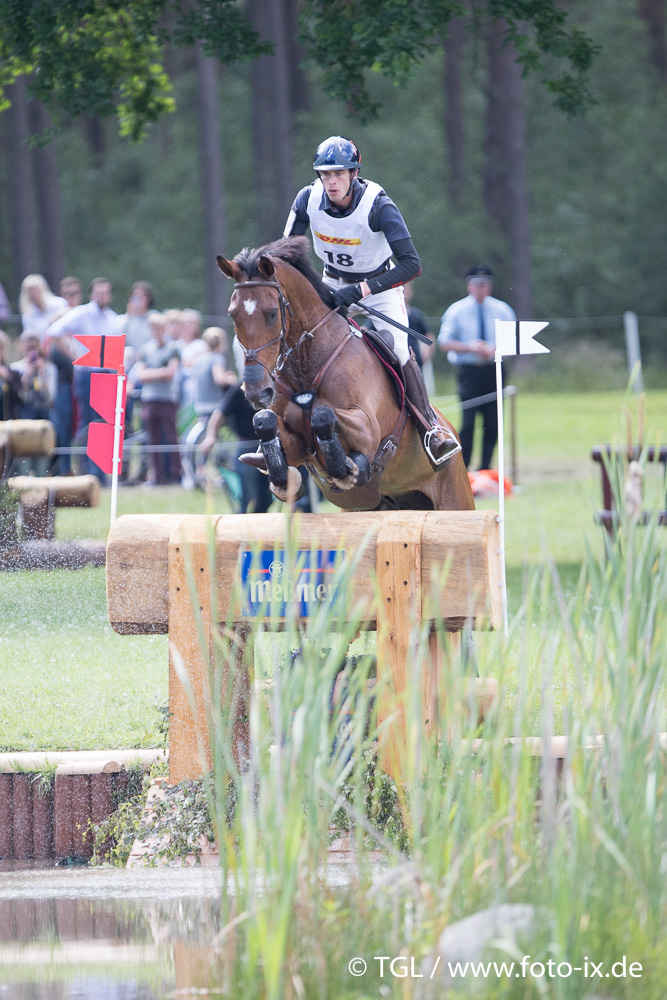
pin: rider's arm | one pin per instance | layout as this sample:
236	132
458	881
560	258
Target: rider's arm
386	218
297	221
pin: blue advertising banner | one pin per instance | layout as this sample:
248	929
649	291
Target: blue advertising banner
268	588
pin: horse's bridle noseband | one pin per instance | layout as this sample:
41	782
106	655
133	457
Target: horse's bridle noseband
252	355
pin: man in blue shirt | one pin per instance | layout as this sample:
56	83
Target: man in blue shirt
468	335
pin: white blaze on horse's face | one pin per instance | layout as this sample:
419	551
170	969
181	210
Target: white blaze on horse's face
249	305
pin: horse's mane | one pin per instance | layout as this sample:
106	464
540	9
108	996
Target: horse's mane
294	250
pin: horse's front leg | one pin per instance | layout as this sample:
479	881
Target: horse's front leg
284	479
345	470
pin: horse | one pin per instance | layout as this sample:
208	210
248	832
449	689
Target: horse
325	398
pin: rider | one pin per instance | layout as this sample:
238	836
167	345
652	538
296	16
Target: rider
356	229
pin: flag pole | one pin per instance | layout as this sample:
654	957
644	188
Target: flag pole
501	488
117	431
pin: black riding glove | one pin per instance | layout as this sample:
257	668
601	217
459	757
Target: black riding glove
347	295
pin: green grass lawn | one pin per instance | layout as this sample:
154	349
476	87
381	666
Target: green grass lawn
68	682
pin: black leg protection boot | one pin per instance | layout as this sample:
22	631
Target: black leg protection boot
439	442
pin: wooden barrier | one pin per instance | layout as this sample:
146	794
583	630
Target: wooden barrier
39	495
617	459
23	439
156	562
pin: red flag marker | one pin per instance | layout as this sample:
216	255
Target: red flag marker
103	397
103	352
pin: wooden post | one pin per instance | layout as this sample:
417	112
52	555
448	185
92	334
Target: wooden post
399	615
190	642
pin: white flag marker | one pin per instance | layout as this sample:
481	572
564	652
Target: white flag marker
512	338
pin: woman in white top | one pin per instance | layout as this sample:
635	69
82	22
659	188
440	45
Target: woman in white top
38	306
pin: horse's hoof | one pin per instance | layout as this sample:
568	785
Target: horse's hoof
255	459
289	493
351	479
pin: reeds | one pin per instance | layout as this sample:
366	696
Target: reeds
479	817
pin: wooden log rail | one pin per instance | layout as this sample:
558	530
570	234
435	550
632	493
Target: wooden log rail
23	439
40	495
606	456
155	563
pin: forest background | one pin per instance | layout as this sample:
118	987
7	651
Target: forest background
568	210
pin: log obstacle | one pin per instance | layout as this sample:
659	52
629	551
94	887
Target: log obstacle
156	563
25	438
40	495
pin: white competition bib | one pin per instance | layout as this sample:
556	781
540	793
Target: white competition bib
348	244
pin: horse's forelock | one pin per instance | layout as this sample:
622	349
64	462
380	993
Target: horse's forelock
294	250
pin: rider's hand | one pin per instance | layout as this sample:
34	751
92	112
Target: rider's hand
347	295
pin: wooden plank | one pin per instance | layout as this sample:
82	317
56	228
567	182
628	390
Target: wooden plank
137	573
466	541
399	615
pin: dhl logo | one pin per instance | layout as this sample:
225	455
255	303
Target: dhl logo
337	240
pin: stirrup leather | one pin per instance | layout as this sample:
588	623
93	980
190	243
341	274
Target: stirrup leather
428	436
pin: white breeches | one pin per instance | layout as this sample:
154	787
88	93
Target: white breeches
391	304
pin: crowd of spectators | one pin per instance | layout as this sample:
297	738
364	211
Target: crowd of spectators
179	378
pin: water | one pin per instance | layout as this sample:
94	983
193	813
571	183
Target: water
107	934
120	934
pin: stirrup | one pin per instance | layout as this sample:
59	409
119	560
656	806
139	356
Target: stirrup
428	437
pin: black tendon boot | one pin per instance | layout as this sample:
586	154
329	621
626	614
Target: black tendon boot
439	443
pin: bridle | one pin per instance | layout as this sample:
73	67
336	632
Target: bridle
251	355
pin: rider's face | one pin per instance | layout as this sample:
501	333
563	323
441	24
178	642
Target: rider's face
337	185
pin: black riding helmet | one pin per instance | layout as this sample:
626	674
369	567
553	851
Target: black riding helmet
337	153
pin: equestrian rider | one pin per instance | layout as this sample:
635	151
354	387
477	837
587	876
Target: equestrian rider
356	229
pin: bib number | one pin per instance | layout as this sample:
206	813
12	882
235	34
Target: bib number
339	259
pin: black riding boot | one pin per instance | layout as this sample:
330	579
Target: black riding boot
439	443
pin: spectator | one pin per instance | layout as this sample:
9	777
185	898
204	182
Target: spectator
135	324
10	382
417	321
4	306
237	413
38	305
59	353
95	318
137	330
70	290
468	334
210	379
191	344
157	369
173	331
39	379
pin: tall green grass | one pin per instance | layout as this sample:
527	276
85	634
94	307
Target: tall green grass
476	818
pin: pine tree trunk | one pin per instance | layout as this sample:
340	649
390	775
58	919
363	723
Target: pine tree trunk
506	171
22	208
49	211
453	114
653	13
212	183
274	187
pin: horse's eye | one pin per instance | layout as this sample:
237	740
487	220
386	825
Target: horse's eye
271	316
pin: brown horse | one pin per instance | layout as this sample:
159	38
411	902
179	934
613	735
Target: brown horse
325	399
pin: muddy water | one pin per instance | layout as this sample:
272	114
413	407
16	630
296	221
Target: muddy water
106	934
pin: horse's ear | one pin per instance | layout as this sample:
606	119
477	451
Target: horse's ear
229	267
267	267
